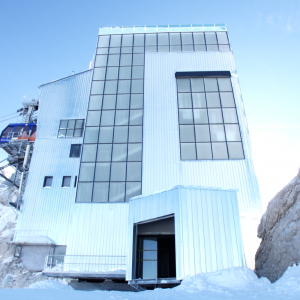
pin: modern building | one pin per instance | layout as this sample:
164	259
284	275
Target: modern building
142	167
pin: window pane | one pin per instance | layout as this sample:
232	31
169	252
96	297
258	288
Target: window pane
66	181
163	39
69	133
212	47
134	171
112	73
219	151
84	192
184	100
217	133
77	132
62	133
113	60
185	116
197	85
104	152
204	151
163	48
100	193
138	40
137	86
99	74
124	87
138	49
137	72
63	124
126	59
111	87
175	39
79	124
135	134
118	170
210	38
115	41
200	116
102	51
102	172
114	50
213	100
123	101
101	61
122	117
75	150
117	192
127	40
187	133
136	101
93	118
235	151
133	189
107	117
119	152
175	48
202	133
200	48
89	153
187	38
188	151
87	172
125	73
229	115
222	38
109	102
224	84
91	134
150	39
48	181
95	102
224	48
187	48
134	152
215	115
121	134
97	87
199	38
136	117
211	84
106	134
103	40
232	132
227	99
138	59
199	100
126	50
183	85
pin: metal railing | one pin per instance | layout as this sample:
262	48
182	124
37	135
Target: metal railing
29	235
106	264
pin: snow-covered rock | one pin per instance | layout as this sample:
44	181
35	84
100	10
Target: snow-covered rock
279	230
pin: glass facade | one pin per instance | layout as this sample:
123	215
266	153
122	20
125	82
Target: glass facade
208	123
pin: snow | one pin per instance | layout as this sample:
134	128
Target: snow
233	284
7	215
36	239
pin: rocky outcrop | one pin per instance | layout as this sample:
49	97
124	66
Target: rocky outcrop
279	230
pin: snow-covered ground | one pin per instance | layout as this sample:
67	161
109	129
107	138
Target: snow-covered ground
234	284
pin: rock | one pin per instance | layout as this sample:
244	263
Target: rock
279	230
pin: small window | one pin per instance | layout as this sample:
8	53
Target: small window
70	128
75	181
75	150
66	181
48	181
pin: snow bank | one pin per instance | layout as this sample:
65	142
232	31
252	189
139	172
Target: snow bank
50	284
6	216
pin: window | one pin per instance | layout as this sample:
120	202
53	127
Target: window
75	181
70	128
75	150
48	181
208	123
66	181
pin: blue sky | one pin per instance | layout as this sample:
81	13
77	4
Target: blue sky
46	40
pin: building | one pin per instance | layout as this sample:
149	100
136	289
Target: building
142	166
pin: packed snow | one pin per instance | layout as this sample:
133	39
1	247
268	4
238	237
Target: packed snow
234	284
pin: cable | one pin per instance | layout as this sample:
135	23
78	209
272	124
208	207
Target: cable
10	118
9	115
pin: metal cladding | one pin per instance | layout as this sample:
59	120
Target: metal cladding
207	227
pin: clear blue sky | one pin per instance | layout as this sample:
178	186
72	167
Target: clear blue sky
46	40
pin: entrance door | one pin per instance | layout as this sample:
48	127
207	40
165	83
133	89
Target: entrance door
148	258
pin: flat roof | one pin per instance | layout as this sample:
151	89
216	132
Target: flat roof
162	28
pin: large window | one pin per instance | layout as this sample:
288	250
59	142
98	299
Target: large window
70	128
208	122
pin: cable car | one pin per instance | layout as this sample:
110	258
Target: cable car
19	131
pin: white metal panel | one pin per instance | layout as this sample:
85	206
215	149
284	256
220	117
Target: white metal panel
162	168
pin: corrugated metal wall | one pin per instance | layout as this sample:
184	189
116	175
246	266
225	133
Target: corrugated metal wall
207	227
50	208
162	168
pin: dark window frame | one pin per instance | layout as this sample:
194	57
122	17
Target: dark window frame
45	182
63	182
73	145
